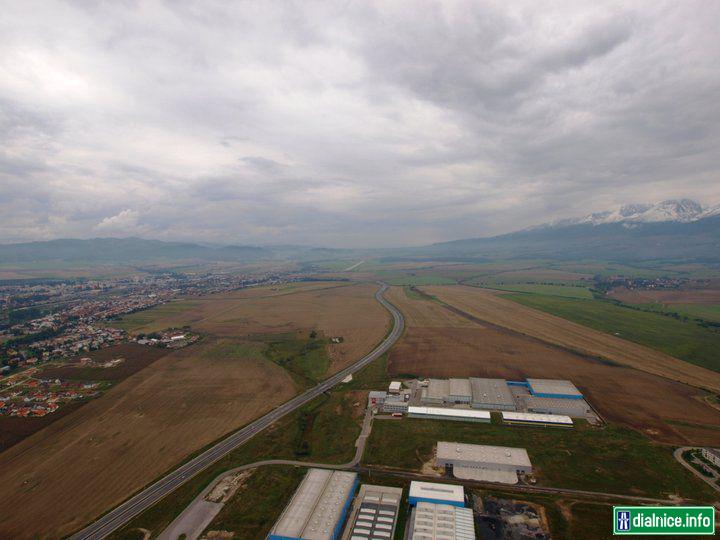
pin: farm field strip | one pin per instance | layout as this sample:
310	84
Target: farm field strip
489	306
685	340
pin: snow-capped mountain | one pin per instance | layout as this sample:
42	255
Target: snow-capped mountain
677	210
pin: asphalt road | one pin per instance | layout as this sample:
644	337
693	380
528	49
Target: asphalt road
119	516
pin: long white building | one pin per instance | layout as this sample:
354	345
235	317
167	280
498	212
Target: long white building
374	513
431	521
482	462
317	509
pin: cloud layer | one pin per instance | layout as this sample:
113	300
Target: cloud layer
349	123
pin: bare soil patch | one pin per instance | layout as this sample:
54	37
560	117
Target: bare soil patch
135	357
15	429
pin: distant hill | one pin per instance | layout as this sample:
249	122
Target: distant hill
124	250
697	240
675	230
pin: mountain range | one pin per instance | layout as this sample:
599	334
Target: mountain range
672	230
678	210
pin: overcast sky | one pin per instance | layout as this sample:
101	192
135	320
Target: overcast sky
349	123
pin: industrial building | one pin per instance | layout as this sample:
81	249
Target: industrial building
533	419
395	387
577	408
459	391
374	513
436	392
712	455
376	398
431	521
317	509
436	493
447	413
395	404
491	394
482	462
553	388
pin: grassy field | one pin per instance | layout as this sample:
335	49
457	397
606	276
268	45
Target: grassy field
685	340
256	506
431	279
372	377
689	311
330	441
612	459
302	355
537	288
155	319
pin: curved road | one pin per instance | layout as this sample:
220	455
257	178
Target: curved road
678	455
119	516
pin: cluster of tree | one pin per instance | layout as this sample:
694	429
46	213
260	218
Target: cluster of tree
302	445
31	338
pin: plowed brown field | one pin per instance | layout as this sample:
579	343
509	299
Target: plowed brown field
62	477
441	343
488	306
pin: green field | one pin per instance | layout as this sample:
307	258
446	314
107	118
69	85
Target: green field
254	509
691	311
373	377
685	340
154	319
303	356
537	288
611	460
432	279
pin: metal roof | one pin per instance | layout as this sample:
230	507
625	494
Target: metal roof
541	418
459	387
440	521
576	407
316	506
440	492
491	391
480	453
374	512
438	389
449	412
553	386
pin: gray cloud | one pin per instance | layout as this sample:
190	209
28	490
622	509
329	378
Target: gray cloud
349	123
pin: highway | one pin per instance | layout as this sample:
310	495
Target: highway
122	514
